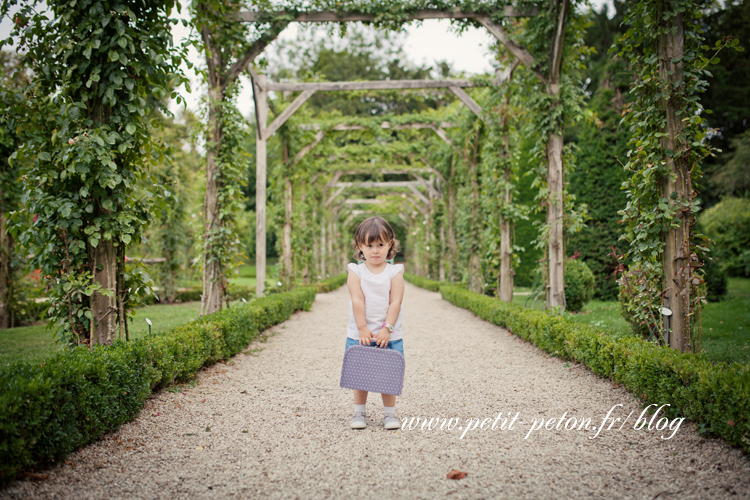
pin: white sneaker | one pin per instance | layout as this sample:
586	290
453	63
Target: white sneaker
358	420
391	423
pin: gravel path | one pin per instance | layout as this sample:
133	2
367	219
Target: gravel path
274	424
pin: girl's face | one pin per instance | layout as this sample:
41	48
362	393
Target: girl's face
376	251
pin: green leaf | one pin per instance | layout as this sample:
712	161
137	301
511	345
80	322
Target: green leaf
130	128
126	238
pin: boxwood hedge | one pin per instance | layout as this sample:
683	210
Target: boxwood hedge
715	396
49	410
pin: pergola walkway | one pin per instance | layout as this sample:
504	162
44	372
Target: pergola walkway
275	424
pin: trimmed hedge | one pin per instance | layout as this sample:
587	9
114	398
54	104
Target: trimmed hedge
421	282
332	283
49	410
716	397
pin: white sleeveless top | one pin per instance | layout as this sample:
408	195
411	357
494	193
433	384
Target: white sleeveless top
377	289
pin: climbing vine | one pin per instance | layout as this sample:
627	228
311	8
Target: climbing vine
87	151
668	141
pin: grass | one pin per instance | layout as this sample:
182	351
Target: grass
35	343
725	324
246	276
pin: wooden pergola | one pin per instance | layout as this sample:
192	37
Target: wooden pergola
219	83
261	88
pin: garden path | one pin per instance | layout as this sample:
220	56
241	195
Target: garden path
274	424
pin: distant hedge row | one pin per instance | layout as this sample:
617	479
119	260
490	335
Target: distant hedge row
332	283
431	285
76	396
716	397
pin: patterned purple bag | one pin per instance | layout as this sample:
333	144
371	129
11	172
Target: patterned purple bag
373	369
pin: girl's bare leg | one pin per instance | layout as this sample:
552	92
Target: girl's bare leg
388	399
360	397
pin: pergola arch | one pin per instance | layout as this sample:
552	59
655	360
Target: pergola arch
277	22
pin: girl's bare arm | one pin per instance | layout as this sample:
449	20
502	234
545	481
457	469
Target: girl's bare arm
358	307
394	308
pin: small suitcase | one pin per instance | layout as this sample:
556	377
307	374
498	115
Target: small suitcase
373	369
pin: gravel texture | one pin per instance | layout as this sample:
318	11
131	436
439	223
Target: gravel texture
273	423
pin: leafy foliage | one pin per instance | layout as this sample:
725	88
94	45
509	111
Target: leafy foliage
728	224
88	143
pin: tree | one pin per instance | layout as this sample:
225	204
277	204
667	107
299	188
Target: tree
103	71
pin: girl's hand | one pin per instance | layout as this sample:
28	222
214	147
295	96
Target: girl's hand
383	337
365	336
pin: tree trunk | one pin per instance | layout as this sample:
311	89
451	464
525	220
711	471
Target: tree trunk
677	239
104	307
211	299
555	211
6	283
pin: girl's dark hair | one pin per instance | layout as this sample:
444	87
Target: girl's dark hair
372	229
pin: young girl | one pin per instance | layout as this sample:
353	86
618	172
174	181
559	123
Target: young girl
377	289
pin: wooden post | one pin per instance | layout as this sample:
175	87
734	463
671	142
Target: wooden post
261	113
677	239
211	299
103	307
441	262
287	264
555	211
556	202
506	270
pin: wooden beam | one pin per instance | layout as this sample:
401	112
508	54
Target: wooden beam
429	186
369	184
441	133
385	125
334	180
287	113
303	152
334	195
370	85
336	17
467	100
433	169
521	54
365	201
419	195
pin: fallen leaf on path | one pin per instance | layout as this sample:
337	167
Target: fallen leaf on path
35	477
457	474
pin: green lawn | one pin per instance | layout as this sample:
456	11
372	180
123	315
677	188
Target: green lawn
245	278
726	324
35	343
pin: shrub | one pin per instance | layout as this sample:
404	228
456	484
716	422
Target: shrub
431	285
716	397
717	285
332	283
728	224
579	284
49	410
637	297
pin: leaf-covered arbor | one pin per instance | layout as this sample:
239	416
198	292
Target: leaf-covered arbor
395	14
